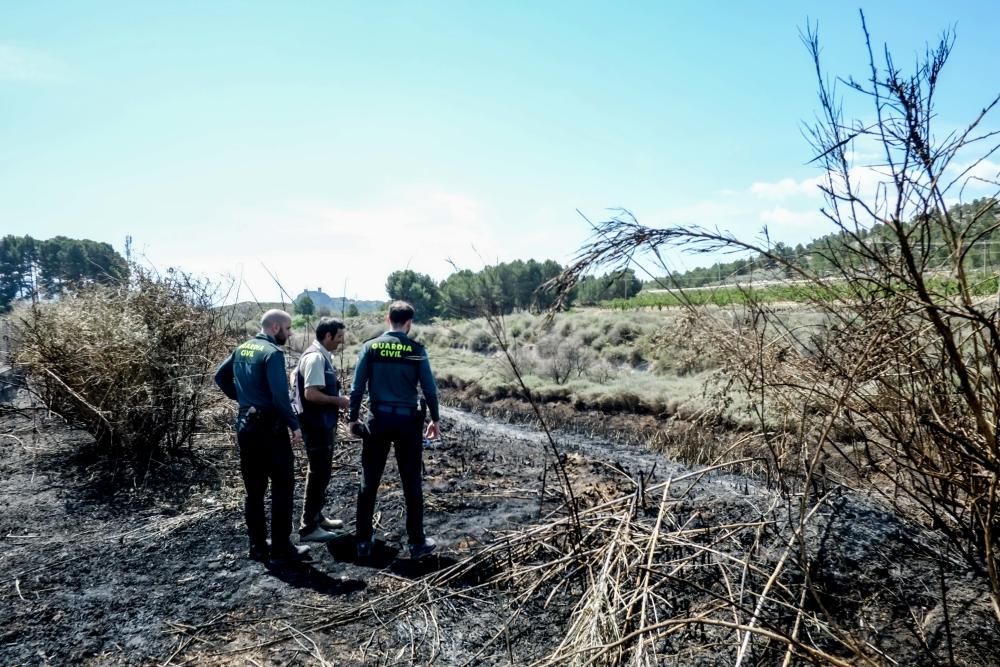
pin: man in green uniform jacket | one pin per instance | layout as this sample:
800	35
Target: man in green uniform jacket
254	375
390	367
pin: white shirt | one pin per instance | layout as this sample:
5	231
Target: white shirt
312	366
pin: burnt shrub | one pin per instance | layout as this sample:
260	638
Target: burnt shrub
128	363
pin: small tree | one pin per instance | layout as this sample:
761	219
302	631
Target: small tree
352	310
304	306
418	289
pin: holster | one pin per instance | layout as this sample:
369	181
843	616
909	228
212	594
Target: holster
256	419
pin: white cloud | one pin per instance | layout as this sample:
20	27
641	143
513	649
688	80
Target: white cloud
872	184
22	64
982	174
863	157
787	188
780	216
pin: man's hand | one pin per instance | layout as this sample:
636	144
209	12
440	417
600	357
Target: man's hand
314	395
432	432
296	437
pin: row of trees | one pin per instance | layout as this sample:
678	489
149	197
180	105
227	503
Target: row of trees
30	267
591	290
502	289
508	286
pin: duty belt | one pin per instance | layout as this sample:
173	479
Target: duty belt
255	412
405	410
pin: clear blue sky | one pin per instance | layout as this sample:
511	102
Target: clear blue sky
336	142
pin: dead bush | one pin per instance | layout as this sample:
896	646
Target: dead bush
902	382
129	363
588	336
523	358
564	358
602	372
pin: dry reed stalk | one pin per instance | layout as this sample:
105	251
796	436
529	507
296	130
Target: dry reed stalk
635	581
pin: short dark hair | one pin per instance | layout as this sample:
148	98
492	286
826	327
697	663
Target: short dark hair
328	325
400	312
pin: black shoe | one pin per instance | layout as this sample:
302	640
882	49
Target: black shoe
316	535
260	554
418	551
292	555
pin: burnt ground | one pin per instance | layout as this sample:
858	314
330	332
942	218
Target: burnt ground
93	571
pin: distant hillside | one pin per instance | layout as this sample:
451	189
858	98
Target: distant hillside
982	215
323	300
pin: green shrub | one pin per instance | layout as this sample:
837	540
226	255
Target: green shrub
301	321
480	340
623	332
599	343
624	355
588	336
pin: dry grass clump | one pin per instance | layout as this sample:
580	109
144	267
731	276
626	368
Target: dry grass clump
128	363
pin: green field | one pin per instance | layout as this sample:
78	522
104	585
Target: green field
791	291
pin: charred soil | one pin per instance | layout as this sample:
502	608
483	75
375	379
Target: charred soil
96	572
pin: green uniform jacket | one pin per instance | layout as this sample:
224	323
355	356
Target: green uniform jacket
390	367
254	375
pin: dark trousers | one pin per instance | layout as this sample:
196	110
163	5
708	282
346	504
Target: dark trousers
404	433
266	455
319	450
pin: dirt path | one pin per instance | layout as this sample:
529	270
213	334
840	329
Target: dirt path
159	576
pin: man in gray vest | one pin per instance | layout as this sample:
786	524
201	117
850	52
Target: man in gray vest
390	367
320	400
254	375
